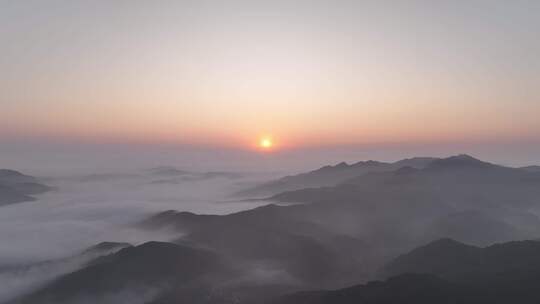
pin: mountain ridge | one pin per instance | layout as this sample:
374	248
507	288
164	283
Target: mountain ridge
16	187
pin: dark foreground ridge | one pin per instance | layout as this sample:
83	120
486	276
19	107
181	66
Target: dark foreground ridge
446	271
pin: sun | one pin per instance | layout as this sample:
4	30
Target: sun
266	143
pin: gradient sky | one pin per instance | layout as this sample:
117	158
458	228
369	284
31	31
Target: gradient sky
308	73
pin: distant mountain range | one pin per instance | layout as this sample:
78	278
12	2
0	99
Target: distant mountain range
332	175
447	198
16	187
329	176
352	230
172	175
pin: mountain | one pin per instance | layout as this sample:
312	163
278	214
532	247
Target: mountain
332	175
460	161
274	238
445	271
172	175
424	289
106	247
28	277
444	257
404	289
341	235
160	273
343	173
134	274
16	187
531	168
415	162
490	229
456	261
454	179
449	196
12	177
338	236
11	196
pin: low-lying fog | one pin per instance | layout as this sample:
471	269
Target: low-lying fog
85	210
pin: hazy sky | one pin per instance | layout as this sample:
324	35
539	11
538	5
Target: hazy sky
307	73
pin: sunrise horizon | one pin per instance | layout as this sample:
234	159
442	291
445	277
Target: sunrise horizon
269	151
309	75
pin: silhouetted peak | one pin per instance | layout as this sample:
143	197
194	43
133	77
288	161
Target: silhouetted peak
174	213
372	163
329	168
445	243
265	210
10	173
458	161
443	246
168	212
436	257
416	162
108	246
464	157
156	245
186	214
341	165
155	249
368	163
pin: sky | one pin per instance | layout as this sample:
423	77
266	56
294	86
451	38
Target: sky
415	77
